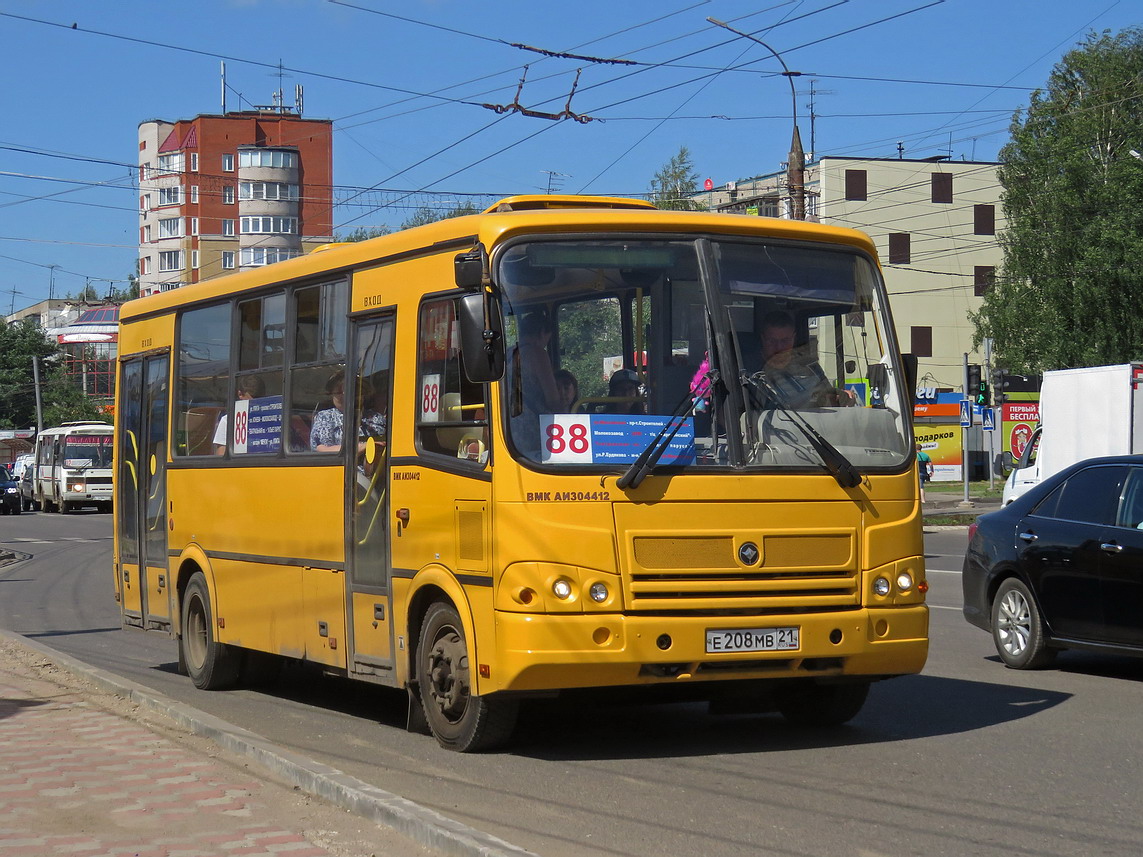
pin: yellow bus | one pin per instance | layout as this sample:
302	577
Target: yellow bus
567	443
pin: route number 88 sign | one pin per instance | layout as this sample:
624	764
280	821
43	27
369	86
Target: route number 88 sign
566	438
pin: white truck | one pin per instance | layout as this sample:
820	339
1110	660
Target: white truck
1084	413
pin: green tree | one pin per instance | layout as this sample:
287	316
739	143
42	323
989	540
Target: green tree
1070	290
61	399
674	186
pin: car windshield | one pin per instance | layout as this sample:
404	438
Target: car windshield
732	353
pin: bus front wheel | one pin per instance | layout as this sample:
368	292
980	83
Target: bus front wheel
820	705
210	664
459	719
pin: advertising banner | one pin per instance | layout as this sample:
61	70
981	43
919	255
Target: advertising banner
942	443
1018	420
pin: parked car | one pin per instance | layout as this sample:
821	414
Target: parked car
1061	567
9	493
28	490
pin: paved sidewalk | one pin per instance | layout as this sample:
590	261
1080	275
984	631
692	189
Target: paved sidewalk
93	765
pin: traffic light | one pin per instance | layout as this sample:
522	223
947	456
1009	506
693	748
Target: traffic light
977	391
999	385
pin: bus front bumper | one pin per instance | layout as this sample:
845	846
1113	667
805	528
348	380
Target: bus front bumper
555	652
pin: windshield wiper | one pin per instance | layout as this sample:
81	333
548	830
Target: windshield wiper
649	457
837	464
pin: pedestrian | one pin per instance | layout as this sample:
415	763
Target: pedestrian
924	468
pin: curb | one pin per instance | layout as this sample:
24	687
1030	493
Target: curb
421	825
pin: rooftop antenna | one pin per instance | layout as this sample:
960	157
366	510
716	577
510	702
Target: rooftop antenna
900	150
298	90
222	70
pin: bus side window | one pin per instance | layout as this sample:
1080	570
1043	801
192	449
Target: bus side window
451	411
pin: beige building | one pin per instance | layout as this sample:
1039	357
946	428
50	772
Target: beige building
935	223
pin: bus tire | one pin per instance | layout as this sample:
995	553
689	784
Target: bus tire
64	507
459	719
210	664
820	705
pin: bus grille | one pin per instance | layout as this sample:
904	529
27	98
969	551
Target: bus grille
797	572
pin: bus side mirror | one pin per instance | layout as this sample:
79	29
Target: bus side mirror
470	270
481	337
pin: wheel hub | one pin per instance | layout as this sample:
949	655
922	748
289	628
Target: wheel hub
448	674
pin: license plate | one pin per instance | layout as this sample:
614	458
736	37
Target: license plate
752	640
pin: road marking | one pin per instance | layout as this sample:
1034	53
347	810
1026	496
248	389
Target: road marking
943	607
941	571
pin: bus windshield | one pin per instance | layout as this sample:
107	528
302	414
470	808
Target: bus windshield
87	450
726	353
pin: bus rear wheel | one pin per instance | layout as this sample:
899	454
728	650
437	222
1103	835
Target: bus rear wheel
820	705
210	664
459	719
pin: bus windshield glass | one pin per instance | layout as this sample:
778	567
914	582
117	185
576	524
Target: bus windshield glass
720	353
87	450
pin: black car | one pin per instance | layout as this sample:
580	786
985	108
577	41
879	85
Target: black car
9	493
1062	566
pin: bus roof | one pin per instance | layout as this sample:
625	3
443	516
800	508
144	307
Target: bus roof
508	217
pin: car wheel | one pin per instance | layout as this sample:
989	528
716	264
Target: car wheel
210	664
1017	629
820	705
459	719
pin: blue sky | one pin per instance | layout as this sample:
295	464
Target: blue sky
404	83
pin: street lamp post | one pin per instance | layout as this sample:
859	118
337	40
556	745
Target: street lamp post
796	163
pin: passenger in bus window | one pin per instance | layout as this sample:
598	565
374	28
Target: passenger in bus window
568	388
534	365
249	387
624	386
328	426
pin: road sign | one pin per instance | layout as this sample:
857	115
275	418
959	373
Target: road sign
965	413
988	419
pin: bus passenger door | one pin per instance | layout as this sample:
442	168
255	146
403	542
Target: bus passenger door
367	473
143	580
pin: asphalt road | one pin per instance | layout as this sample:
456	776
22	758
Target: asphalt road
968	758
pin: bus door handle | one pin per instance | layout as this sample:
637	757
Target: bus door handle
403	516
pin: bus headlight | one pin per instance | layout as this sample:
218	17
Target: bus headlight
881	586
598	592
904	581
562	588
77	487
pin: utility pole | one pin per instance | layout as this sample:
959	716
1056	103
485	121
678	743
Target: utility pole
39	398
796	162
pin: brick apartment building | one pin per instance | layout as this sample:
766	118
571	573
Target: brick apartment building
224	192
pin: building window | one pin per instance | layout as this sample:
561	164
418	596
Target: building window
267	190
811	205
194	258
942	187
171	163
144	203
170	260
228	258
228	195
144	265
921	341
172	227
899	248
228	162
984	219
194	226
983	276
194	162
146	234
856	185
172	195
228	228
267	158
255	257
194	194
269	226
